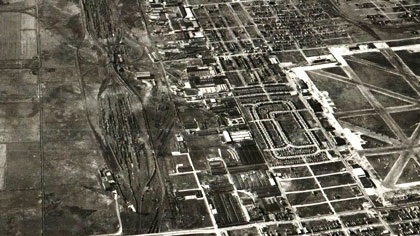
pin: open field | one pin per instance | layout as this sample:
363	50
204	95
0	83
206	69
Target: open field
14	219
23	156
20	158
290	56
411	172
403	42
86	208
52	156
371	122
20	3
411	60
336	70
315	52
372	142
17	85
21	122
375	57
408	120
346	97
388	101
382	79
383	163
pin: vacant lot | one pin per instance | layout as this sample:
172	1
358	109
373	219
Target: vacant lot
198	154
184	181
192	214
327	168
299	184
336	180
342	192
315	210
305	198
173	161
349	205
315	52
293	172
245	232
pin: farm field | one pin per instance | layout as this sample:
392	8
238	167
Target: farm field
18	40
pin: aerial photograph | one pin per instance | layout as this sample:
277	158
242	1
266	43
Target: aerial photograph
209	117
